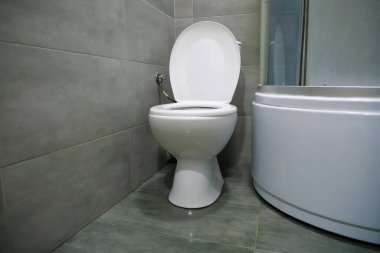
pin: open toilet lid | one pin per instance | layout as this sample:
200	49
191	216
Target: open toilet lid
205	63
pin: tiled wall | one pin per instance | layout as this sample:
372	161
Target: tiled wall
242	17
76	85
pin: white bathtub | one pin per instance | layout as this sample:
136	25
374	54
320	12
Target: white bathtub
316	156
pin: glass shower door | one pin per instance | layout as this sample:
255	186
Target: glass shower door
284	36
343	44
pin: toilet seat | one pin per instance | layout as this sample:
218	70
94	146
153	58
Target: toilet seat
205	63
194	109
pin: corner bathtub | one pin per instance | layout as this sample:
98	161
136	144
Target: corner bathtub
316	156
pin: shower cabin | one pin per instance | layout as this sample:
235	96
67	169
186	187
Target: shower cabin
316	116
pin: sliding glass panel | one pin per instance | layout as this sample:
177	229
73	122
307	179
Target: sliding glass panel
284	40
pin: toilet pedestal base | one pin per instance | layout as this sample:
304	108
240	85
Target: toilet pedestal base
197	183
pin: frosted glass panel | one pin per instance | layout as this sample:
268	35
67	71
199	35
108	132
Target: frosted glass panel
344	43
283	35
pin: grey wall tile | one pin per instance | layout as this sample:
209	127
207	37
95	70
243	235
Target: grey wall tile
239	148
181	24
183	9
52	197
244	93
143	92
246	29
88	26
206	8
146	155
166	6
50	100
154	31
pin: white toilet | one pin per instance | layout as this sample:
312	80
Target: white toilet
204	71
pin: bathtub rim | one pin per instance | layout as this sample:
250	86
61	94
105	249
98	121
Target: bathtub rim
351	99
322	91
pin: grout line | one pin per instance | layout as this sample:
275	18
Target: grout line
129	165
228	15
192	11
8	232
125	26
149	192
257	228
183	18
73	146
174	12
79	53
159	9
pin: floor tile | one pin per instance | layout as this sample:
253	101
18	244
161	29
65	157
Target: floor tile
146	221
239	194
238	186
117	238
265	251
154	212
236	173
279	232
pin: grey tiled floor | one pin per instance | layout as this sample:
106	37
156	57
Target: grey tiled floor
239	221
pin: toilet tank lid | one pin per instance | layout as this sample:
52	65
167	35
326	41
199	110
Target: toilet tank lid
205	63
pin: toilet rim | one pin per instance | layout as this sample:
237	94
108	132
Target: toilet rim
193	109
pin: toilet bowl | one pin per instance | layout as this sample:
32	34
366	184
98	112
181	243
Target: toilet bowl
204	70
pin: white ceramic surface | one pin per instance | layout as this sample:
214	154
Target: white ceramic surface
204	71
317	159
195	142
195	108
205	63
